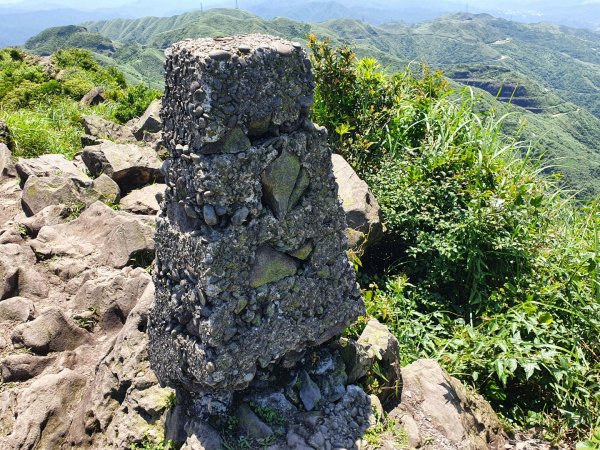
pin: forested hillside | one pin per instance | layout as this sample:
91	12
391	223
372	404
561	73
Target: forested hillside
555	97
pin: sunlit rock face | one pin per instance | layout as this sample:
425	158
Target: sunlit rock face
251	268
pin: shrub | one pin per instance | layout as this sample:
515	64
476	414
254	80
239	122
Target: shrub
487	267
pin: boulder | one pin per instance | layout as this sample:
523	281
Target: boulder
16	309
123	403
130	165
93	97
363	215
50	215
100	128
5	160
144	200
23	366
149	122
5	137
49	165
52	331
42	411
378	345
100	236
438	408
111	295
41	192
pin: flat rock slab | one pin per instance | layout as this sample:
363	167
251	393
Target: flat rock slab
143	201
52	331
99	237
39	192
49	165
101	128
130	165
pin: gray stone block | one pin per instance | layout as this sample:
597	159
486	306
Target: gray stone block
251	268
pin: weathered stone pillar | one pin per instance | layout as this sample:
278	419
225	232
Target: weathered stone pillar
251	267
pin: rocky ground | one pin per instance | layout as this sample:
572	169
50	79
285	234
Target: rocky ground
76	249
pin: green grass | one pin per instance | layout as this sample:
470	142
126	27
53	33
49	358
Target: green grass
487	266
42	110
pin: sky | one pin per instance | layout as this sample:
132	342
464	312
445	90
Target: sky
495	4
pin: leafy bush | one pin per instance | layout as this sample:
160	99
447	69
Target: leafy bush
487	267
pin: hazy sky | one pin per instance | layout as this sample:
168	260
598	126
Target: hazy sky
496	4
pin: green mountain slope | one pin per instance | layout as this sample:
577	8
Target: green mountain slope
549	74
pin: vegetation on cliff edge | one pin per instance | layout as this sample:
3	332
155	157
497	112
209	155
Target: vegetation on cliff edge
487	266
39	98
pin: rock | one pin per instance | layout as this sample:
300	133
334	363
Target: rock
122	403
5	160
201	436
93	97
209	214
16	309
100	128
270	266
111	295
235	141
251	424
9	279
279	180
107	188
378	344
14	261
230	300
10	200
143	201
43	410
439	407
23	366
360	205
50	332
149	122
309	392
99	237
129	165
49	165
75	194
32	283
5	137
50	215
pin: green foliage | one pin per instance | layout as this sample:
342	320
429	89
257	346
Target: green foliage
151	444
591	444
555	70
56	38
171	401
40	102
132	101
487	267
388	429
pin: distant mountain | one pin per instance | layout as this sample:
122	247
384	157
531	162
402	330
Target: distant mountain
550	74
18	26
